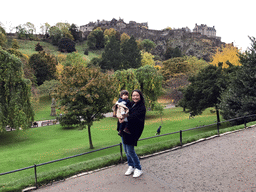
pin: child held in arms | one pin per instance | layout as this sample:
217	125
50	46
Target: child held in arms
120	109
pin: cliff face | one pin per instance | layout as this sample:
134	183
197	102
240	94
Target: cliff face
193	44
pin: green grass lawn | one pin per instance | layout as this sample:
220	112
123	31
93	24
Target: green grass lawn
28	47
38	145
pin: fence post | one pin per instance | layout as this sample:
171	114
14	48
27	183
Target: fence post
218	128
244	121
180	137
35	175
121	152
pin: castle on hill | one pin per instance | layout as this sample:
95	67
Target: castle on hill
120	25
116	24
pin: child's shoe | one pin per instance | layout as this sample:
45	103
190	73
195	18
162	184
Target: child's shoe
127	131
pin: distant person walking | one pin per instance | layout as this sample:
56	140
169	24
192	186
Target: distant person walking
136	120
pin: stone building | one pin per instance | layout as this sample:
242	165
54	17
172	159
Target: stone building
205	30
116	24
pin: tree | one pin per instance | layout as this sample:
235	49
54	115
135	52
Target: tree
66	45
74	30
45	28
147	59
15	107
239	99
147	45
84	94
131	56
126	80
111	57
55	35
75	59
224	54
38	47
15	44
205	90
172	52
109	33
65	30
3	39
124	38
96	39
176	72
150	84
44	66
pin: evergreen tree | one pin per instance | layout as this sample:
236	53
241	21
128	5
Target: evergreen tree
111	58
240	97
204	90
131	56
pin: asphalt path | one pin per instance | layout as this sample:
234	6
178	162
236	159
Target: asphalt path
225	163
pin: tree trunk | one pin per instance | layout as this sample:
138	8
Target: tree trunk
90	137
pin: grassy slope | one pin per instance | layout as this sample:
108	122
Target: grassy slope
28	47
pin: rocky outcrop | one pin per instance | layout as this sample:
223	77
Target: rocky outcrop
193	44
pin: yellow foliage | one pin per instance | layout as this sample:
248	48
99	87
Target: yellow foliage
147	59
98	29
168	28
124	37
61	58
110	32
224	54
59	68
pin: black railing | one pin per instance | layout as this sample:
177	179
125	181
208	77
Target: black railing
120	144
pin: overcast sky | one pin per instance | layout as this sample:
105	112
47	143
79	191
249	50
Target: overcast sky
233	20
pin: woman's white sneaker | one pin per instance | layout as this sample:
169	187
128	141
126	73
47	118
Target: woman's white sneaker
129	171
137	173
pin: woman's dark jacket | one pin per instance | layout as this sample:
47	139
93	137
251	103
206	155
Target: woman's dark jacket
136	120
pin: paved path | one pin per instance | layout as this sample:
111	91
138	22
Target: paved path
225	163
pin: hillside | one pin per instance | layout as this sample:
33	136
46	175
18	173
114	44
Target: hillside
28	47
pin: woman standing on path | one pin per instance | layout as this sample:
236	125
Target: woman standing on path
136	121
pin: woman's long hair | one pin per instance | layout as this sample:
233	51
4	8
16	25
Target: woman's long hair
141	95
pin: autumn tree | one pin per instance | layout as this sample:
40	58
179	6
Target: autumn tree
147	59
176	72
124	37
84	95
109	33
224	54
15	107
150	81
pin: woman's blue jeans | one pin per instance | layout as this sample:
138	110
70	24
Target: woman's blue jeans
132	158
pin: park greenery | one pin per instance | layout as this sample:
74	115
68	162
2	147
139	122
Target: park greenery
85	78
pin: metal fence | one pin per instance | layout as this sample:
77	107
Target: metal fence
217	124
